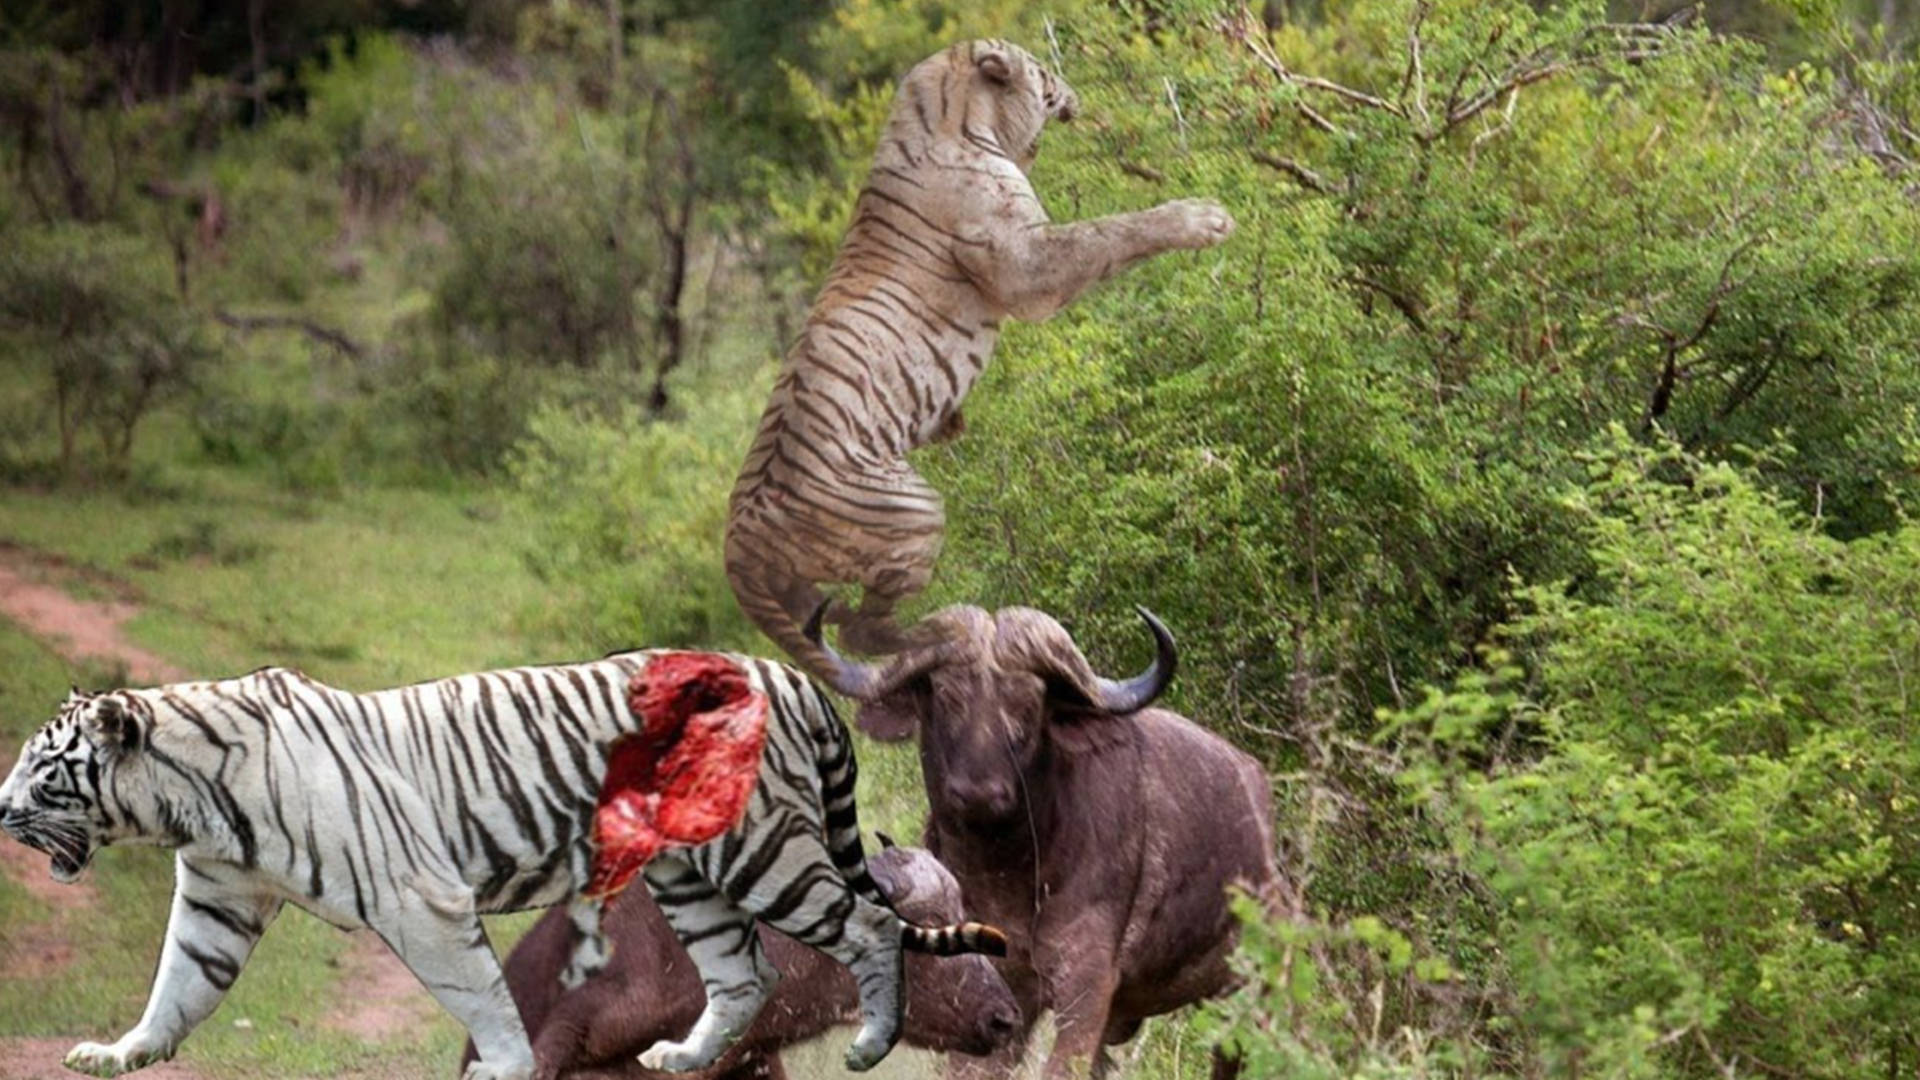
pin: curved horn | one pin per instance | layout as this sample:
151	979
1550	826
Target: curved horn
1141	690
1064	659
869	682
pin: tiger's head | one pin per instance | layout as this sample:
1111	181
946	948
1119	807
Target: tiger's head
60	798
990	88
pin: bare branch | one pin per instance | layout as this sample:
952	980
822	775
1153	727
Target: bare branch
1144	172
1307	177
1358	97
1412	310
1256	42
1416	73
1512	82
1505	124
1670	367
1179	121
324	334
1317	120
1630	42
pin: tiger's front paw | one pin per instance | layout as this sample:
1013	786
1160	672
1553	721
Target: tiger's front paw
128	1054
1199	223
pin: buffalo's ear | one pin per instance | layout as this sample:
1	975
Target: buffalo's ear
1083	729
110	726
891	718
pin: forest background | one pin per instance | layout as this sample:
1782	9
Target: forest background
1529	480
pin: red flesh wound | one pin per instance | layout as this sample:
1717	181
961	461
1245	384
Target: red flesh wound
685	777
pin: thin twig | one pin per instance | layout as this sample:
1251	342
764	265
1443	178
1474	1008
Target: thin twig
1415	71
314	330
1307	177
1179	121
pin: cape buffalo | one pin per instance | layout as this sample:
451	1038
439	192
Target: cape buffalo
1100	834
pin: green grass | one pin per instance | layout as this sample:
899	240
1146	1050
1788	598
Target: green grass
366	590
385	588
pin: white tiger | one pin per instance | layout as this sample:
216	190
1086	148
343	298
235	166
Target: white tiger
415	810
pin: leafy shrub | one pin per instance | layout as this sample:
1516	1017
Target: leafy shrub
1691	816
91	306
625	518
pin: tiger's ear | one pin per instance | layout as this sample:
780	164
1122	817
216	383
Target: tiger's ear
995	64
109	726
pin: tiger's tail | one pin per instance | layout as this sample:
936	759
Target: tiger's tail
761	601
966	937
838	771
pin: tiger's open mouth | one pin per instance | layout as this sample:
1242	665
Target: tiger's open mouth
65	867
68	852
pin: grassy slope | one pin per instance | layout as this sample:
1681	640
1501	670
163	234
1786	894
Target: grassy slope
364	591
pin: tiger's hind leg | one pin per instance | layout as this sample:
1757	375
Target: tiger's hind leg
719	936
866	938
591	950
440	939
899	567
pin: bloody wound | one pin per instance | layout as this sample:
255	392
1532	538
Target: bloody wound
686	775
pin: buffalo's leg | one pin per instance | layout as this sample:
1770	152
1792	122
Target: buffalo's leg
1082	995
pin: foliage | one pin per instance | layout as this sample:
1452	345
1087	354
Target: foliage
628	514
1691	818
92	305
1335	436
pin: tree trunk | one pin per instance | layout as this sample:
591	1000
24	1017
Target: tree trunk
73	185
256	34
62	395
670	326
675	223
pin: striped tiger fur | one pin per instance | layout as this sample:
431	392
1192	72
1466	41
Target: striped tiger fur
415	810
947	240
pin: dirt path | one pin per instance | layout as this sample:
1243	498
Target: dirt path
382	998
80	630
39	1059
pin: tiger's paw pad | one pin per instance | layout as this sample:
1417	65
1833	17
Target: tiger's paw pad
96	1059
675	1057
867	1050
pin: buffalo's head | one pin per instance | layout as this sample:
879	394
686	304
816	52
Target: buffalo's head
989	697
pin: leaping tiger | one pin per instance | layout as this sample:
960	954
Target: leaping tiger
415	810
947	240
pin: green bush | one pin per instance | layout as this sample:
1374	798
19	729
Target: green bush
92	309
1689	814
626	516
